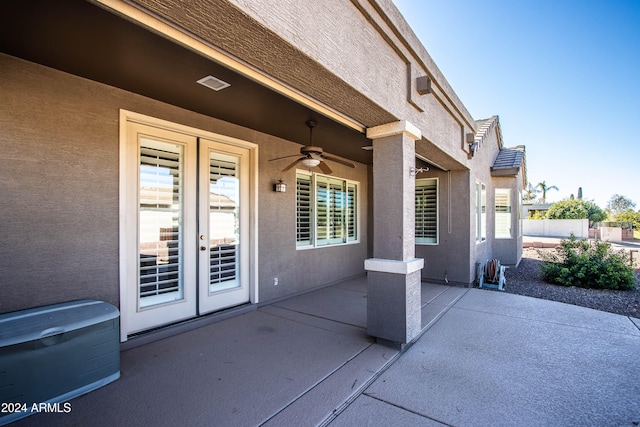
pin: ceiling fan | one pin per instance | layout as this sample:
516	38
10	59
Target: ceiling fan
313	156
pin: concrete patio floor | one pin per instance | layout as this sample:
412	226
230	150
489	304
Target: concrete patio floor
485	358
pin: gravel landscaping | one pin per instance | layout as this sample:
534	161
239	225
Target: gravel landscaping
525	280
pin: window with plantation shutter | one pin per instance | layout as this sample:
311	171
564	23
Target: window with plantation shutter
503	213
304	210
326	210
426	211
331	211
352	212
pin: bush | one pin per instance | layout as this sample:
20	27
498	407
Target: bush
576	209
535	215
630	216
581	263
567	209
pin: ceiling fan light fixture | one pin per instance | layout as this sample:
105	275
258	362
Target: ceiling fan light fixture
311	163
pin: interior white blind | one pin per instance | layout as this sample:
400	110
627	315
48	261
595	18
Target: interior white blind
503	213
426	210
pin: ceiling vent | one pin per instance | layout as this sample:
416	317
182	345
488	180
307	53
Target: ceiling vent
213	83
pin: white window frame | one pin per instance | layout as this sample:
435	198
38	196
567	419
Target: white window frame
519	214
501	210
418	240
481	212
313	242
309	212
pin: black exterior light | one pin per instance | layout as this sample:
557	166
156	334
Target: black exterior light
279	187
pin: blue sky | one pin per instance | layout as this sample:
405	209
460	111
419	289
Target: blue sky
563	75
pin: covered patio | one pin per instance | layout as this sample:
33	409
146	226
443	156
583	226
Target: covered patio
293	362
483	358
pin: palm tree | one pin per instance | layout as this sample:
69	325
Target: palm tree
544	188
531	192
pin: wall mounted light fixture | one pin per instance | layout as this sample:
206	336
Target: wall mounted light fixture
279	187
473	147
473	144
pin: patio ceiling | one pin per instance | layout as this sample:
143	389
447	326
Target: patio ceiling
85	40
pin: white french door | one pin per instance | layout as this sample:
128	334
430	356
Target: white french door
223	226
185	230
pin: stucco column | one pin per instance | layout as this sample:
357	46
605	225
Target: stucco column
393	275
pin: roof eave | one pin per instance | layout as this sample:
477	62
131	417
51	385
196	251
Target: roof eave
505	171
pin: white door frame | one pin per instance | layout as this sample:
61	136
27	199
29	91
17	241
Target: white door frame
125	205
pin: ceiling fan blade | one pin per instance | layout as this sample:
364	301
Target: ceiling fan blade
324	167
293	164
284	157
337	160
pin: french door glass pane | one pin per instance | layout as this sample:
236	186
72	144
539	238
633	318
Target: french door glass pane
224	222
160	222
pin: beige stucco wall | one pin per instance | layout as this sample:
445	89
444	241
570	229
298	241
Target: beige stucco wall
371	79
359	57
481	172
323	29
448	260
508	251
59	186
382	64
60	134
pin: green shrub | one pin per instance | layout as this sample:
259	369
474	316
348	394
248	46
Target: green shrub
630	216
535	215
576	209
587	265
